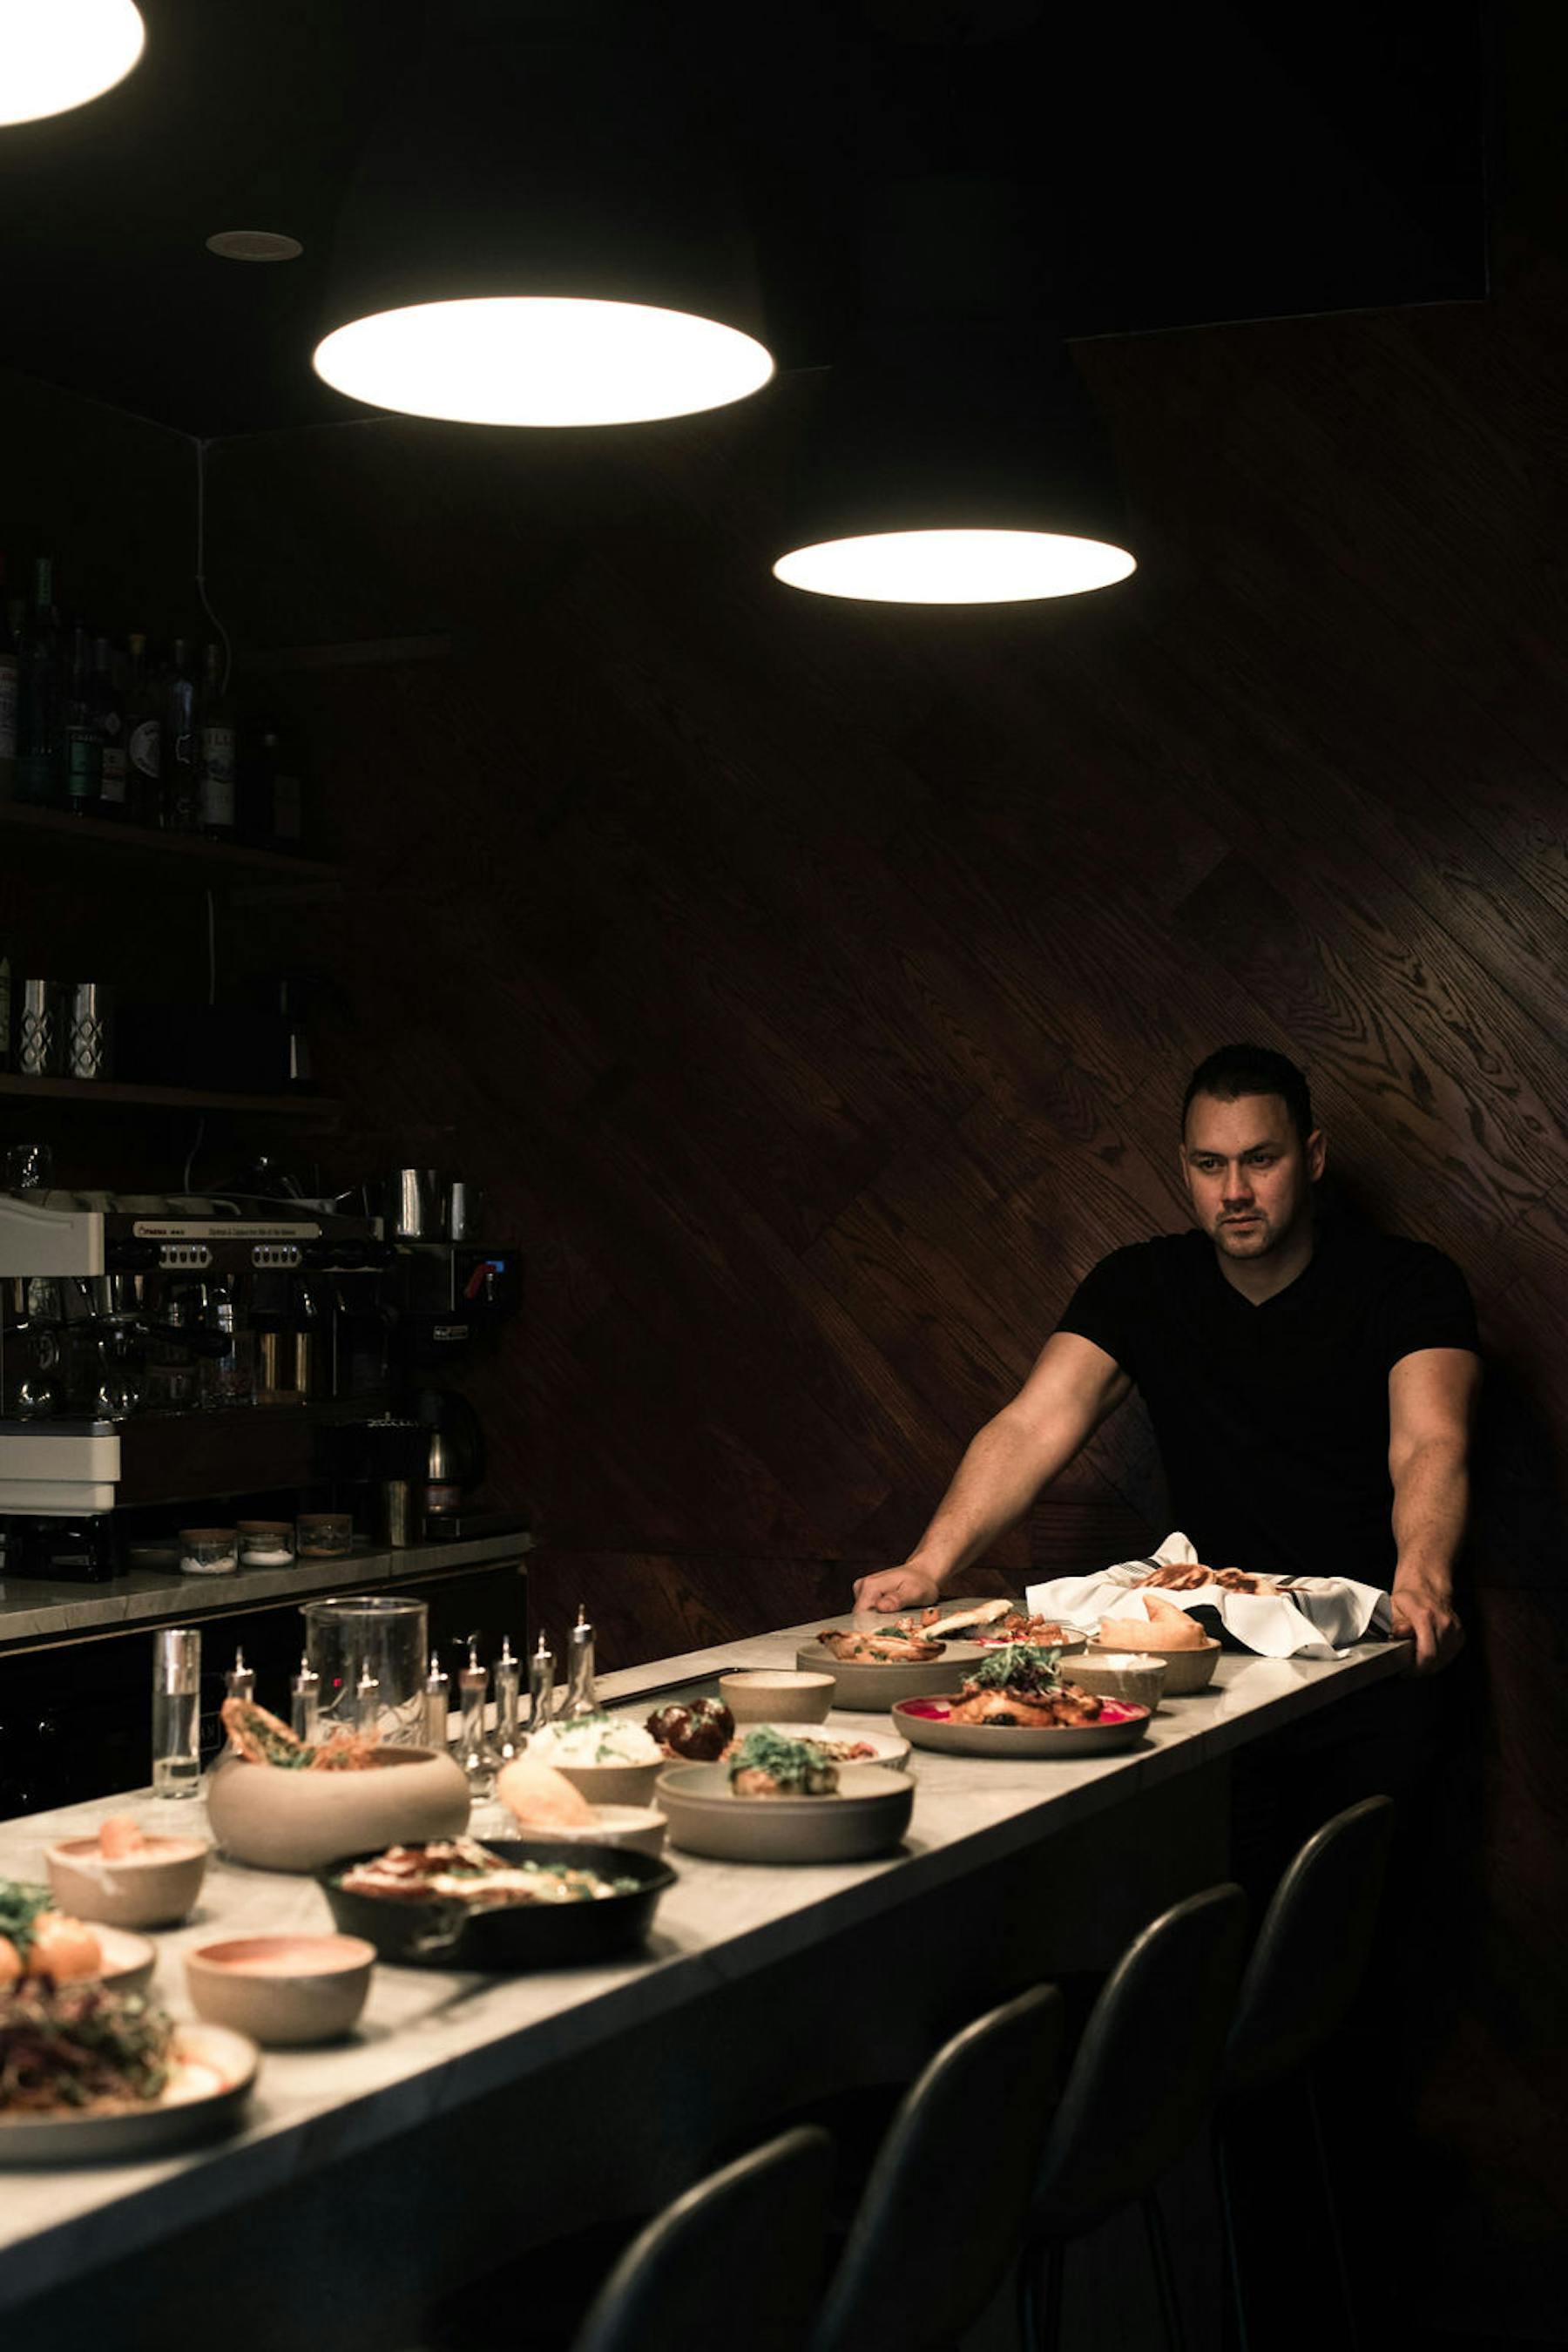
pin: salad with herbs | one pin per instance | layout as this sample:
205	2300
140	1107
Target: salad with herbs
79	2046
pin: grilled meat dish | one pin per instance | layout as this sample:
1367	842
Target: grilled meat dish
1021	1685
893	1648
697	1734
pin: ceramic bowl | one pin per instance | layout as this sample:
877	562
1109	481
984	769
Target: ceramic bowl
1135	1674
613	1784
770	1695
154	1887
302	1820
281	1988
868	1815
1185	1670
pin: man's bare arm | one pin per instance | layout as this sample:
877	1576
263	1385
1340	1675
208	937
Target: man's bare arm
1431	1404
1072	1388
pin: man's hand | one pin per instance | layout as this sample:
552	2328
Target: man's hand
890	1589
1424	1613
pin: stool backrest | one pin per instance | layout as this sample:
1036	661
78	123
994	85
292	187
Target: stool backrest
737	2258
1313	1949
1145	2073
940	2224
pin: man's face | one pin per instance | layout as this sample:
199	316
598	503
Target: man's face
1248	1175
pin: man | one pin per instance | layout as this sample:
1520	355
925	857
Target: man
1311	1385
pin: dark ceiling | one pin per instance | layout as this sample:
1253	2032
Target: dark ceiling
1191	164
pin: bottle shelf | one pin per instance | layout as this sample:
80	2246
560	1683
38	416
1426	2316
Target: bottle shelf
110	1093
206	861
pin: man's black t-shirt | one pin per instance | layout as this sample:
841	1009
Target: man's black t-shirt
1273	1420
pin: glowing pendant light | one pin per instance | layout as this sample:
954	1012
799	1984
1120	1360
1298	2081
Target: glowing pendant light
56	54
955	459
532	238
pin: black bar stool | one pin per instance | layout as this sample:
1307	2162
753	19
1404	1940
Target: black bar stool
961	2151
1305	1971
739	2256
1142	2085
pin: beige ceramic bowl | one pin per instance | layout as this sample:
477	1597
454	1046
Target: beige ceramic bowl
281	1988
1121	1674
1185	1670
302	1820
778	1694
152	1887
612	1784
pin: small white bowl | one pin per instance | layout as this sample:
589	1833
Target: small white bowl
611	1784
638	1828
1135	1674
281	1988
778	1694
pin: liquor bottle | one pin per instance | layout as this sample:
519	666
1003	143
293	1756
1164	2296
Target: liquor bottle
217	758
106	714
144	737
83	746
39	738
180	742
10	673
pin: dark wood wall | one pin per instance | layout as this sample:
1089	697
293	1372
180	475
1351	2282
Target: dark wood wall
811	985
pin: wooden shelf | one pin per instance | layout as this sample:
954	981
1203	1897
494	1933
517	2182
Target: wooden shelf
204	861
108	1092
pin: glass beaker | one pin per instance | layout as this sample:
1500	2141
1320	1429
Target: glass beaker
379	1635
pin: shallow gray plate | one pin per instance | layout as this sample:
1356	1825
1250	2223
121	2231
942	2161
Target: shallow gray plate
866	1689
999	1739
221	2068
869	1816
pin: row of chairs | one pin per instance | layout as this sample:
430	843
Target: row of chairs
986	2169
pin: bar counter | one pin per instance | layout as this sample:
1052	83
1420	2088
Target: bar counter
37	1614
472	2115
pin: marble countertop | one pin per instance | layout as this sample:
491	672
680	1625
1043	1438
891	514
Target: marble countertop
430	2040
35	1611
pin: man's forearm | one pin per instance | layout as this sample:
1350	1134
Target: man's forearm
998	1478
1431	1500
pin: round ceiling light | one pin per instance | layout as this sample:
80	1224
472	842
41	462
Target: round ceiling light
56	54
954	567
542	360
540	232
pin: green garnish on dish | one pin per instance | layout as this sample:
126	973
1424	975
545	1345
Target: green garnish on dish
1020	1665
766	1764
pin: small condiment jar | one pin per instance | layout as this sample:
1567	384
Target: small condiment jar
324	1535
266	1543
208	1551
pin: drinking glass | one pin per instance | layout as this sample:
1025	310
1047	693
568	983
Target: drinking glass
176	1711
378	1634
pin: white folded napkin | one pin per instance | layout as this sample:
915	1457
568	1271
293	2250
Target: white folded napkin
1319	1617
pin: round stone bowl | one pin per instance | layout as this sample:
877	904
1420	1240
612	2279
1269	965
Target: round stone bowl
281	1988
278	1820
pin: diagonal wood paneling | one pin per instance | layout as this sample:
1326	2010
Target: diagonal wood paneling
813	985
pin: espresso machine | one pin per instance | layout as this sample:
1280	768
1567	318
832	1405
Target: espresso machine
131	1327
167	1349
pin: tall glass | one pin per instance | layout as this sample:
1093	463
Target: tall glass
176	1711
375	1635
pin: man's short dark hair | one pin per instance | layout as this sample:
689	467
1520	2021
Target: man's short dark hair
1237	1070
